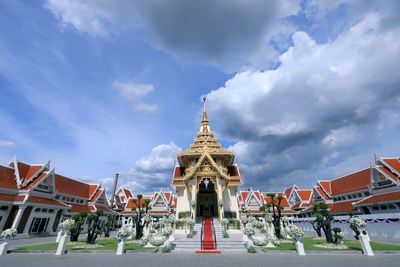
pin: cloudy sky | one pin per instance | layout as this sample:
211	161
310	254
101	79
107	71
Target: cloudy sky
300	90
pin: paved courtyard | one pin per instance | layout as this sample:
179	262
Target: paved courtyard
193	260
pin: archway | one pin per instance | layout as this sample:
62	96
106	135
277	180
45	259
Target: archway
207	204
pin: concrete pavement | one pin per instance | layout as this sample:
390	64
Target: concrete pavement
194	260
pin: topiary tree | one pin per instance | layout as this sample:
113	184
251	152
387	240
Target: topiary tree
324	219
317	227
108	225
95	227
275	205
142	207
77	228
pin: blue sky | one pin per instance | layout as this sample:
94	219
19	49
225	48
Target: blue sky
300	90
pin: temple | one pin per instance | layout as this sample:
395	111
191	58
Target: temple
206	177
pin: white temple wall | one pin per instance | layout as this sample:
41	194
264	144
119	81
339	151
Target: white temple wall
230	202
183	201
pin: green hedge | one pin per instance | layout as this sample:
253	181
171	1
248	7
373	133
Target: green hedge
230	214
184	214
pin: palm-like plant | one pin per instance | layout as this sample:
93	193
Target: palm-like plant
323	219
275	207
142	207
95	227
77	228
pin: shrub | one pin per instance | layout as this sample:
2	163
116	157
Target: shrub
338	235
229	214
251	249
225	234
189	235
166	249
184	214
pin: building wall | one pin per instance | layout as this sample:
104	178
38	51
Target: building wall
183	201
230	201
4	213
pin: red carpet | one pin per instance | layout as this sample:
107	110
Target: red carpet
208	237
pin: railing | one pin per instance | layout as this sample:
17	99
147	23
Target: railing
201	235
367	217
215	238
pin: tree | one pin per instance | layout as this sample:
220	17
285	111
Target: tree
142	207
317	227
95	227
324	219
275	205
108	225
77	228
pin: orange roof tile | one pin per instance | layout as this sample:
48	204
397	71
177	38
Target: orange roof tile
388	197
394	163
341	207
288	191
388	173
305	195
321	192
46	201
68	186
79	208
179	171
7	178
127	192
8	198
26	171
357	181
326	186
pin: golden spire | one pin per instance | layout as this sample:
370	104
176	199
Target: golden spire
205	127
204	111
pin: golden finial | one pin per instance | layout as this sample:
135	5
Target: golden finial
204	110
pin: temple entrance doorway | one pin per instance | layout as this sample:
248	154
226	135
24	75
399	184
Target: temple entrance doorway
207	199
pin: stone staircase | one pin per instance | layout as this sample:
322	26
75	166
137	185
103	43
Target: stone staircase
233	243
182	243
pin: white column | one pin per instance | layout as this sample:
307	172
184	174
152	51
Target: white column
219	195
193	199
51	222
18	217
365	245
61	245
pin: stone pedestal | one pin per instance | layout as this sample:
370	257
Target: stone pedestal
365	245
3	248
61	245
121	246
59	234
300	248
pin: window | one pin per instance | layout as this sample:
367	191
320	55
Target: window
375	208
44	210
349	196
3	207
384	207
50	210
391	207
354	196
58	197
366	194
63	198
37	210
359	195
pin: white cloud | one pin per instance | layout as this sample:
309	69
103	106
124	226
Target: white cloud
152	172
6	143
233	34
134	92
324	102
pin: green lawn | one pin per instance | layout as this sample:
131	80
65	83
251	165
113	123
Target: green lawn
104	244
354	245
